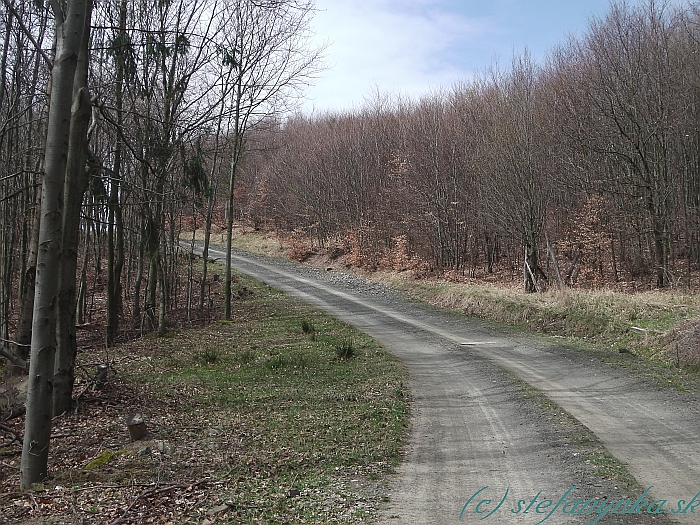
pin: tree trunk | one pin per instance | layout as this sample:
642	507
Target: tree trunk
229	241
138	280
7	232
75	186
23	335
205	249
81	300
236	151
76	182
211	198
37	431
163	303
532	269
529	281
115	226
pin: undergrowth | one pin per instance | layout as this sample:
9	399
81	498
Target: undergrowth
290	412
253	420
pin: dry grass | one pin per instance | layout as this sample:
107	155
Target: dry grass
642	323
244	238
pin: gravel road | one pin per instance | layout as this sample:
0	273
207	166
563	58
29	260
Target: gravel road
470	427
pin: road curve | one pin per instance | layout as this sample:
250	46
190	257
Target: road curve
468	429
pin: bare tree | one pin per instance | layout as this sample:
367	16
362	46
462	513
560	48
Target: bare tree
266	51
515	164
22	73
632	85
70	26
75	184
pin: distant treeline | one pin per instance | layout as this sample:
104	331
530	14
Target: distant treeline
591	158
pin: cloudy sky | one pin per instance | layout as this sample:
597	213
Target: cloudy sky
414	46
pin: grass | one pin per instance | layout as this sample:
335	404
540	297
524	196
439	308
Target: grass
345	349
637	331
279	409
616	320
244	238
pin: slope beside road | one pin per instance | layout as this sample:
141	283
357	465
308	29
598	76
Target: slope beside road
470	431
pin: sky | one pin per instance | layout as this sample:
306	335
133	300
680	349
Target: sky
415	47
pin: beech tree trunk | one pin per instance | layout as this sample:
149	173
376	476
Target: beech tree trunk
23	335
115	227
76	182
37	430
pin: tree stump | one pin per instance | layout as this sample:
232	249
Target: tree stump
101	376
136	426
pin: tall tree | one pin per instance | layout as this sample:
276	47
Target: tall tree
633	76
75	184
115	225
20	95
266	50
517	162
70	26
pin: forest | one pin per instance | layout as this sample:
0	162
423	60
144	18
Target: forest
582	170
117	119
126	126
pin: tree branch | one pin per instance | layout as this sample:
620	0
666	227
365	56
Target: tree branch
18	361
28	34
57	11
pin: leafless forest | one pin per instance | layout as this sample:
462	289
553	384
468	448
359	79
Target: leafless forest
125	123
595	150
119	120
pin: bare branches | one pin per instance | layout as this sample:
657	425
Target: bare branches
27	33
598	146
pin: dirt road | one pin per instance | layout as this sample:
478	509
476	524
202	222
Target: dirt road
471	429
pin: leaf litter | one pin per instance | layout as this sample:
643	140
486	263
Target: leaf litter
249	421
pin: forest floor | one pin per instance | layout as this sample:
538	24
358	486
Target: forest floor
281	415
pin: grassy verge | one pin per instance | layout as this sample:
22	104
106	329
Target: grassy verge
643	332
291	397
282	415
244	238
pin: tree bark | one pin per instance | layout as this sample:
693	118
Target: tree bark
37	431
236	153
76	182
205	249
115	227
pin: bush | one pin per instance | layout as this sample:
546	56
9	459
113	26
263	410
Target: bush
307	327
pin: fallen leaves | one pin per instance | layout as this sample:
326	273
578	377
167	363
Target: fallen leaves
230	439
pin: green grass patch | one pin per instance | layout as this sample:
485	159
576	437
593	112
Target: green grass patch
268	408
103	458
